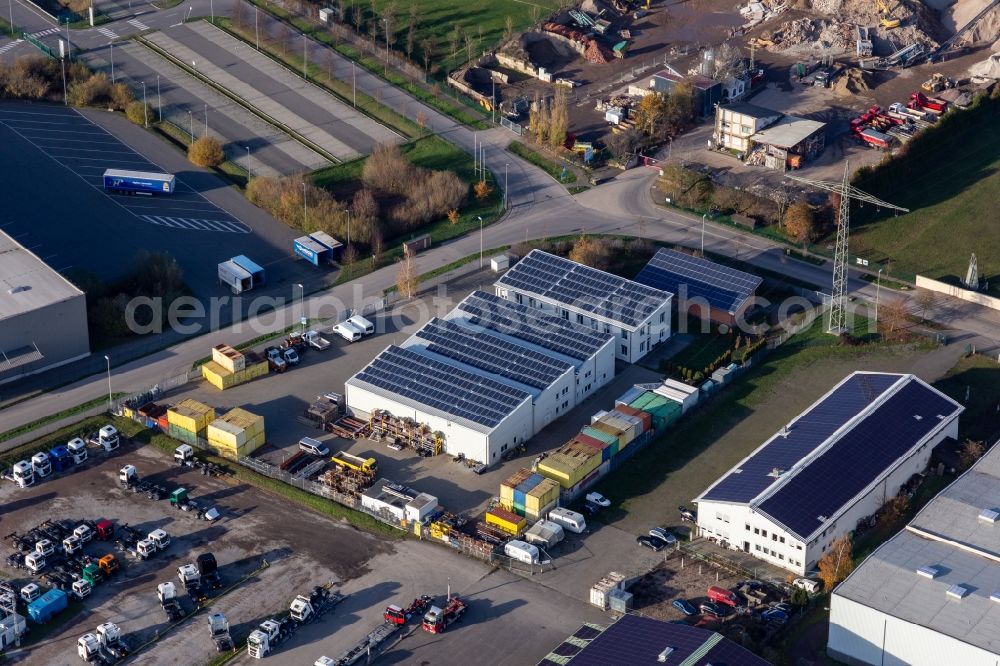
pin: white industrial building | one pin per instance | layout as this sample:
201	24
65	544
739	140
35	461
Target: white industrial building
488	376
43	317
833	465
931	594
637	315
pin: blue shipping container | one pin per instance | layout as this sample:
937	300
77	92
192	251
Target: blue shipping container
255	271
44	607
311	250
143	182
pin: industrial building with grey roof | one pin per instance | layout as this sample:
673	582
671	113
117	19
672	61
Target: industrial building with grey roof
43	316
931	594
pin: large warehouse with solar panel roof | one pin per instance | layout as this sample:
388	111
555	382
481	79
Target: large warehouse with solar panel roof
833	465
703	288
488	376
637	315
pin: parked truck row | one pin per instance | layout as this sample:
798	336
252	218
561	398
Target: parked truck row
62	458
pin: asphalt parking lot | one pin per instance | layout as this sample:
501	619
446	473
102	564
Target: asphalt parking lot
71	223
302	549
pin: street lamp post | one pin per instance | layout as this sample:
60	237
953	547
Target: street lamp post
249	175
159	103
106	358
256	24
479	217
878	287
386	21
211	8
111	45
493	100
191	120
348	227
506	164
703	235
305	208
206	118
354	83
145	107
10	3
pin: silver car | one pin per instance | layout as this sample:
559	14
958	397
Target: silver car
664	535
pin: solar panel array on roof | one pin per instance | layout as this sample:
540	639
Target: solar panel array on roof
640	640
813	427
863	453
722	287
588	289
491	353
532	325
441	386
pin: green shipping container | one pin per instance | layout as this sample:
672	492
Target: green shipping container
183	435
607	438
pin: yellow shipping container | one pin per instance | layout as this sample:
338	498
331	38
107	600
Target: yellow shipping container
544	493
569	469
241	451
223	379
235	428
191	415
507	521
228	358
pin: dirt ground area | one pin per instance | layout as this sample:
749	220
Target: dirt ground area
677	577
302	549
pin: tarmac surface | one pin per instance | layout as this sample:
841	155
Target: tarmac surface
72	223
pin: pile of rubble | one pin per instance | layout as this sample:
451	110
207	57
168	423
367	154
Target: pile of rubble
597	53
852	81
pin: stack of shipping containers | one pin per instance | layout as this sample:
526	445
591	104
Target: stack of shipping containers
529	494
508	521
570	464
230	367
236	434
189	421
662	410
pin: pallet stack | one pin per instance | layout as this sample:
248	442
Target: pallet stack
406	432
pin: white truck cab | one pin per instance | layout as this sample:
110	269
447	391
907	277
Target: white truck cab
78	449
41	464
107	438
24	474
183	454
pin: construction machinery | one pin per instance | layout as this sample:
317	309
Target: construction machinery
218	630
166	593
437	620
937	83
368	466
399	616
887	16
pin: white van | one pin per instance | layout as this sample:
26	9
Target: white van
521	551
366	327
315	447
348	331
570	520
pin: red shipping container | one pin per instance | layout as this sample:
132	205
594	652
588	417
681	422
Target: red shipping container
592	442
162	423
647	420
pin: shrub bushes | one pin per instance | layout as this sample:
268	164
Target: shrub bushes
206	152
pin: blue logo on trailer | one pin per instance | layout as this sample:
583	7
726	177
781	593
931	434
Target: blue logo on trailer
305	252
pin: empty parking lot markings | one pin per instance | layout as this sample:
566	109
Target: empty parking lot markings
136	23
195	224
8	47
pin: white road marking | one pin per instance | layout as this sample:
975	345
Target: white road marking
196	224
8	47
44	33
138	24
108	32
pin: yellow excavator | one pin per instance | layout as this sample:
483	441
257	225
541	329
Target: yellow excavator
887	17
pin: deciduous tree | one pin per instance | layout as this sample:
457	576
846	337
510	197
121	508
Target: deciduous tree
206	151
406	277
972	451
838	563
591	252
800	222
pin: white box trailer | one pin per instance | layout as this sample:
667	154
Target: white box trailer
235	277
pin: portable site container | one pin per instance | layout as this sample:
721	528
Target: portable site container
506	520
236	434
592	442
329	242
241	420
521	491
229	358
644	417
235	453
311	250
630	396
182	434
541	496
663	412
596	416
569	464
257	275
508	485
190	415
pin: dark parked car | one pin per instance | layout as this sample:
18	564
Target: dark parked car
709	608
684	607
651	542
774	616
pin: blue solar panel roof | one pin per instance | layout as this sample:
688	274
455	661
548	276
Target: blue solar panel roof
532	325
441	386
588	289
813	427
491	353
639	640
722	287
859	457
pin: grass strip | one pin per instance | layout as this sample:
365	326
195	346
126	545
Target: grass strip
58	416
542	162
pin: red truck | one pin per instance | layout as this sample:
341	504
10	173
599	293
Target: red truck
876	139
437	620
721	595
933	104
393	614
